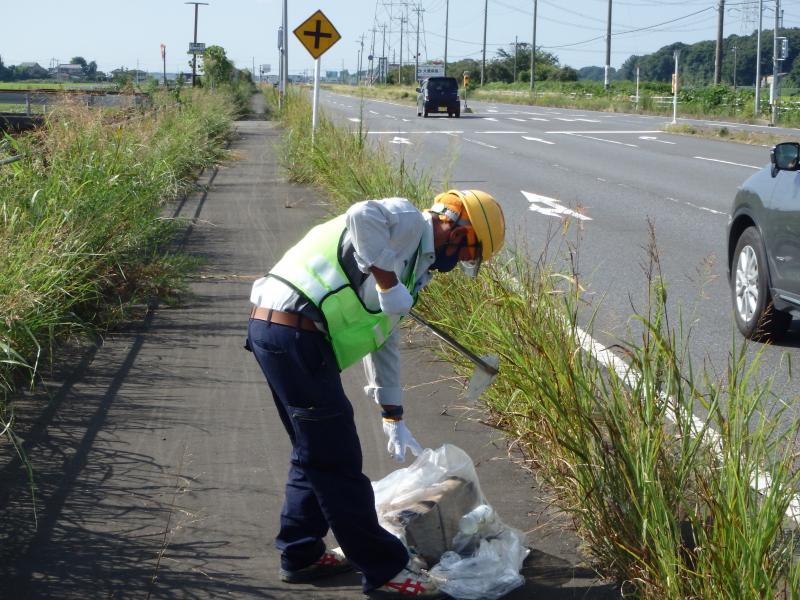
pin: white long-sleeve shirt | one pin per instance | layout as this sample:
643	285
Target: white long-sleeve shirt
385	234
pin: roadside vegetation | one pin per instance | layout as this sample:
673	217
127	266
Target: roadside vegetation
82	232
669	506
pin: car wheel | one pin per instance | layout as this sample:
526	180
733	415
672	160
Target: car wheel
755	315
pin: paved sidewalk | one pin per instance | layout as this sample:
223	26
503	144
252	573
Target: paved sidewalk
160	460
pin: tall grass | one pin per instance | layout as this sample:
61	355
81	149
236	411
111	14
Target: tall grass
669	506
81	230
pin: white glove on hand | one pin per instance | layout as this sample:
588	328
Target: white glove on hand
396	300
400	439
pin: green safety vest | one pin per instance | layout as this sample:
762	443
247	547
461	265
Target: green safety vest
313	267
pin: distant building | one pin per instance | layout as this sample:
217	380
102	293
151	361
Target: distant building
69	72
32	70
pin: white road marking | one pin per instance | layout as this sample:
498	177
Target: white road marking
399	140
608	131
354	119
490	118
391	117
591	137
480	143
538	119
588	120
727	162
492	110
374	112
407	120
534	139
697	206
551	207
514	132
566	119
654	139
516	119
410	132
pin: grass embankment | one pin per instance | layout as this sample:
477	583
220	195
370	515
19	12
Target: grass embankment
665	507
81	231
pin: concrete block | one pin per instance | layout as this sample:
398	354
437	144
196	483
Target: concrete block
431	522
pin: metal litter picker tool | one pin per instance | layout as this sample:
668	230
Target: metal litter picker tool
486	365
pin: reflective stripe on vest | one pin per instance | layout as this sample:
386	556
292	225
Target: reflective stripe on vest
312	267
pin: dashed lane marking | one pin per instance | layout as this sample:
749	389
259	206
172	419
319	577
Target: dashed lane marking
516	119
490	118
354	119
514	132
727	162
538	119
480	143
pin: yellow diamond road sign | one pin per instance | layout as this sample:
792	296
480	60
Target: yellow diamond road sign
317	34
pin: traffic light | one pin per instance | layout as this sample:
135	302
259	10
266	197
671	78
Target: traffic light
466	78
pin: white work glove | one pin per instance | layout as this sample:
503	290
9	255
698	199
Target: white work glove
400	439
396	300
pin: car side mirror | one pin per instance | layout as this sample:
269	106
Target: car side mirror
419	90
785	157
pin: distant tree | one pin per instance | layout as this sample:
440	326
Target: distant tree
6	74
216	65
566	74
597	74
91	70
78	60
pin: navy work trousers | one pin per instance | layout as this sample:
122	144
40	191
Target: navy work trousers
326	487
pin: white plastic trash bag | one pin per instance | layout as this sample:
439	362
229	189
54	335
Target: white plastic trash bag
436	507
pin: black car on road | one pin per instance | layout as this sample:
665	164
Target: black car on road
764	247
438	95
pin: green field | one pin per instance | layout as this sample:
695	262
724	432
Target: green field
53	85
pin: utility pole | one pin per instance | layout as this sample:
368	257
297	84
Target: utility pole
533	45
372	58
400	64
385	66
285	51
515	58
194	54
446	25
164	63
417	10
734	72
718	55
776	65
485	18
758	59
675	83
360	58
608	48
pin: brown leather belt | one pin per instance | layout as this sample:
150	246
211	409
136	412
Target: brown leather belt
284	318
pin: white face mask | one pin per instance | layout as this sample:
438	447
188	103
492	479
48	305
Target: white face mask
471	267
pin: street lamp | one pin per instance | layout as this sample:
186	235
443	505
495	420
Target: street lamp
194	51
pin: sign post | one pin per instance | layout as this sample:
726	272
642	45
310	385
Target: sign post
317	34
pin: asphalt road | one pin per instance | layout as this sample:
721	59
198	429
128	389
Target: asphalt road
614	174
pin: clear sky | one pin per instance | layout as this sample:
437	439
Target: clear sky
126	33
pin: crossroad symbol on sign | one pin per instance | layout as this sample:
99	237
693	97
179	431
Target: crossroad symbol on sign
317	34
550	207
